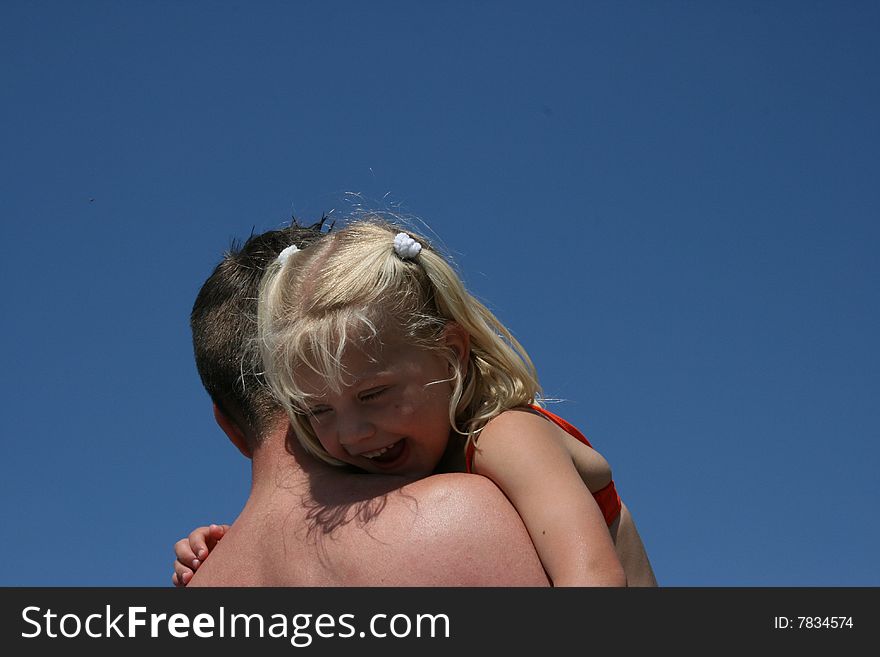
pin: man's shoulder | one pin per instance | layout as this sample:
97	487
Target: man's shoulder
460	482
465	521
461	495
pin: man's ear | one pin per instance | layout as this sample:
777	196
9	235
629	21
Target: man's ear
459	341
233	431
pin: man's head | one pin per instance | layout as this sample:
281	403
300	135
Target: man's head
224	329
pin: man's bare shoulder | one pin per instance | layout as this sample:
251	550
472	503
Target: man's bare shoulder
467	533
462	494
445	530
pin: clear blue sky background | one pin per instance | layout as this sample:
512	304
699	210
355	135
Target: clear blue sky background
674	205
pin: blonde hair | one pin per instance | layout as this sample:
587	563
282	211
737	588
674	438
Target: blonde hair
349	287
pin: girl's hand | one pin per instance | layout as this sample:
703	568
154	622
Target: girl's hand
192	551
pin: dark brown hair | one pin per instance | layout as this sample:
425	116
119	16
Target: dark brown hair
224	328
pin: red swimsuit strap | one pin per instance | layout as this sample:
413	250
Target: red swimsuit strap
607	497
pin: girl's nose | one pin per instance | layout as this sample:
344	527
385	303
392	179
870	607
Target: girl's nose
353	430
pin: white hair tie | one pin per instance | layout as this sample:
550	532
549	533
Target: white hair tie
406	247
284	256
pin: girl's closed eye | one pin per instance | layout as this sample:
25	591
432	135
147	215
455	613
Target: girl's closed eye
373	393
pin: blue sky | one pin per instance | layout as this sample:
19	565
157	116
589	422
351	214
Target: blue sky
674	206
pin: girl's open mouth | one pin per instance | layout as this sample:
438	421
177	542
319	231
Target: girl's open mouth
390	456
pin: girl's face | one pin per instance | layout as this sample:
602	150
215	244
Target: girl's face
391	415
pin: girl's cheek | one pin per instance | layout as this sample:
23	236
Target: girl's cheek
330	446
403	410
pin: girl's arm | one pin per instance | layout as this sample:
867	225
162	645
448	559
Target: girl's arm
526	457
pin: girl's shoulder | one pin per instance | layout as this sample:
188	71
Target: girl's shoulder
522	427
519	416
505	419
517	445
529	437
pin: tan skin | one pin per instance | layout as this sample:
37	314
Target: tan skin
591	469
549	465
306	523
595	472
192	551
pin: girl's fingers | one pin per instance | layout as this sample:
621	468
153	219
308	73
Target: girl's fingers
182	575
198	543
184	552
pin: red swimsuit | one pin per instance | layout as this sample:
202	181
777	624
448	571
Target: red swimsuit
607	498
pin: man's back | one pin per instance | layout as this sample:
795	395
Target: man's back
349	530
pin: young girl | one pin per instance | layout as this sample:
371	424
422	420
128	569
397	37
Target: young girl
383	361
